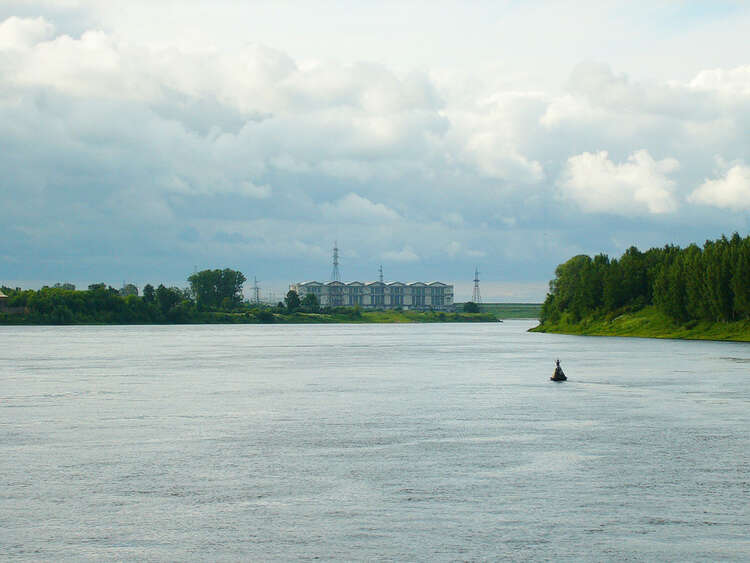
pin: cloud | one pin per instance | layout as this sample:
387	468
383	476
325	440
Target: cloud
639	185
406	254
163	153
731	191
453	248
733	81
23	33
355	208
453	218
498	159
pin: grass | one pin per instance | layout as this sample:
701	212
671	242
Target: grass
343	316
383	317
509	310
651	323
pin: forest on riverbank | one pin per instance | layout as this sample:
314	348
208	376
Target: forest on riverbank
692	292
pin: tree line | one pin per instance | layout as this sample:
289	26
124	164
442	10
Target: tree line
208	291
211	296
709	283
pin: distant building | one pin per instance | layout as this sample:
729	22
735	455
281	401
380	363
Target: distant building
3	300
380	295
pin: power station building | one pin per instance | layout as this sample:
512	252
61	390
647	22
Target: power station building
380	295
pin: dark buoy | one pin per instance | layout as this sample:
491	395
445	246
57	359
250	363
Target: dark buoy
559	375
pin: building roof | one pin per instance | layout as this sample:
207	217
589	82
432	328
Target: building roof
2	295
371	283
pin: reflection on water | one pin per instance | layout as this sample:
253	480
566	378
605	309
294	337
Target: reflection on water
370	442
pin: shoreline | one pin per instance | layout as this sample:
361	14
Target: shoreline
650	323
374	317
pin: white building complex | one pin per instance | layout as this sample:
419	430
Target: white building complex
380	295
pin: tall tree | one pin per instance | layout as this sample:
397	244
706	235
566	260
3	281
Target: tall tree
128	289
310	303
167	298
215	289
148	293
292	301
741	281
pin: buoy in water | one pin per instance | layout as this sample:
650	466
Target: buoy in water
559	375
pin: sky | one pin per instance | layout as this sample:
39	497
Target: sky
141	140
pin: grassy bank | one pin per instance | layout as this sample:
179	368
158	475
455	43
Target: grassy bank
268	317
382	317
510	310
650	323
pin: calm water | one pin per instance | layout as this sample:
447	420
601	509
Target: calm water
417	442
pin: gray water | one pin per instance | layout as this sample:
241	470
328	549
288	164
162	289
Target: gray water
377	442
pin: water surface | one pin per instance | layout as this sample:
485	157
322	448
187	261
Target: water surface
378	442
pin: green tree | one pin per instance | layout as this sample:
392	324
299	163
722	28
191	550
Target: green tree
741	281
696	293
214	289
167	298
128	289
310	303
669	291
471	307
292	301
265	316
149	295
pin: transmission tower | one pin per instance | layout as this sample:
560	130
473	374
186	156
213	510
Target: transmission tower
476	296
380	273
256	291
335	274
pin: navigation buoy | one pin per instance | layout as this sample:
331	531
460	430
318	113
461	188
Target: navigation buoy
559	375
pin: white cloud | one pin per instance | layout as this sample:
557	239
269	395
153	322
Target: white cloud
117	130
453	218
489	132
731	191
249	189
499	159
569	108
599	185
453	248
354	208
23	33
406	254
734	81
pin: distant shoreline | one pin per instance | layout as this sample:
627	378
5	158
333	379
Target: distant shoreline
345	317
103	306
649	322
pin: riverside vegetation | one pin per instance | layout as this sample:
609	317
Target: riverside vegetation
213	296
669	292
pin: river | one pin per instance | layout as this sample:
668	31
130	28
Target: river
370	442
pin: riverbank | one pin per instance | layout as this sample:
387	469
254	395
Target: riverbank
650	323
266	316
384	317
